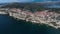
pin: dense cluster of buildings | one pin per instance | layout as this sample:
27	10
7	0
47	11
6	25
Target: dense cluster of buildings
45	17
45	14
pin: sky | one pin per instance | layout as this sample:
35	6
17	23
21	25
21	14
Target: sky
6	1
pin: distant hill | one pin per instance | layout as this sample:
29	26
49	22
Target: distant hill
30	6
43	4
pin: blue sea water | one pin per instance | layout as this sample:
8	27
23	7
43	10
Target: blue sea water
8	25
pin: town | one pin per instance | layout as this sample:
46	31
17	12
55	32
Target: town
40	17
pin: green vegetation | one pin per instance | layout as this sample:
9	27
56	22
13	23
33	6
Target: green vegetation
27	6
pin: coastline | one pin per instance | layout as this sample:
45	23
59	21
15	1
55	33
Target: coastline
32	17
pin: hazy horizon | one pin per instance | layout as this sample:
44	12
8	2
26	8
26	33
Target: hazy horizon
7	1
54	3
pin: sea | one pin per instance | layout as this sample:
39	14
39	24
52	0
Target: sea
10	25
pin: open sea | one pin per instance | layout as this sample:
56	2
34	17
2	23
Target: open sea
9	25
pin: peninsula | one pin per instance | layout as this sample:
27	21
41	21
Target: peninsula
41	17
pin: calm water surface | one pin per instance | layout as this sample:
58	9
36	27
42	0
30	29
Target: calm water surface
9	25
